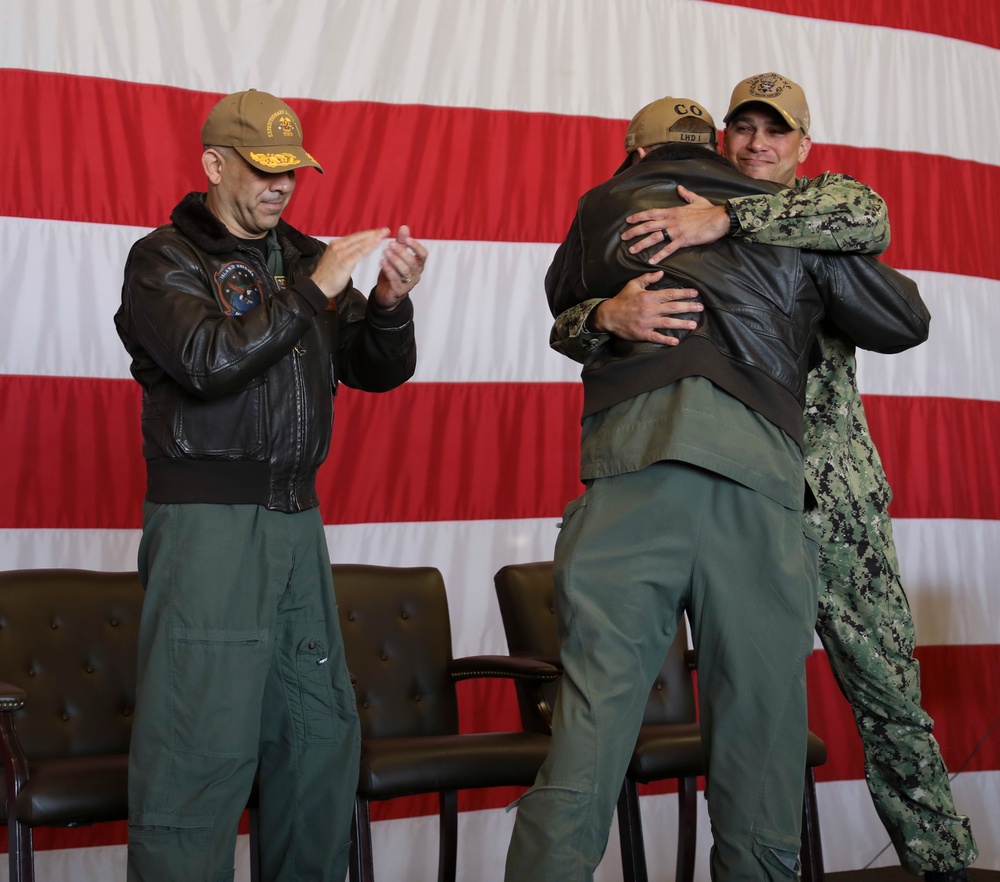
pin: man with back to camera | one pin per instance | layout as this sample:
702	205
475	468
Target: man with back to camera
864	619
715	420
240	328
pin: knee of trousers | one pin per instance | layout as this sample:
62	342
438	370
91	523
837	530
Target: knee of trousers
558	834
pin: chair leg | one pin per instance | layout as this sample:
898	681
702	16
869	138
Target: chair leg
447	835
630	834
21	852
254	813
361	866
687	828
812	844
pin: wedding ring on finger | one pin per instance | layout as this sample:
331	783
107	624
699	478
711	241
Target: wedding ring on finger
406	279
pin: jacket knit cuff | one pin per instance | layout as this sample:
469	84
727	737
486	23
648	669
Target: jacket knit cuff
387	319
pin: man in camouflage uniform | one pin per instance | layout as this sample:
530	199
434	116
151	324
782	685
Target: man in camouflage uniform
864	618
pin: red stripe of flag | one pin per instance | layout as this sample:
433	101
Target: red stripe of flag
971	20
466	174
434	451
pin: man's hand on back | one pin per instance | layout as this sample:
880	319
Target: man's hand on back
697	223
638	314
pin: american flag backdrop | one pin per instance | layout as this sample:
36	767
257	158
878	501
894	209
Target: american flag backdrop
479	123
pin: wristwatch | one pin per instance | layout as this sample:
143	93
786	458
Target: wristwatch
734	221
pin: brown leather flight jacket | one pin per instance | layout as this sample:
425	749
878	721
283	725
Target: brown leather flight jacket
762	303
237	400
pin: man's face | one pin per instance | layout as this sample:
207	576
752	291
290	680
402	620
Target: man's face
762	145
249	202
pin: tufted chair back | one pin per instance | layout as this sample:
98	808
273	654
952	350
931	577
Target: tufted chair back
68	642
397	638
68	638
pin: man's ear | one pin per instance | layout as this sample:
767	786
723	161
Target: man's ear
212	161
805	145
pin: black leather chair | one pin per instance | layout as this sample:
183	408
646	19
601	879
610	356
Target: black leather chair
669	742
397	638
68	643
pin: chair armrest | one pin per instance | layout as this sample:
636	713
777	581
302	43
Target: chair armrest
12	698
511	667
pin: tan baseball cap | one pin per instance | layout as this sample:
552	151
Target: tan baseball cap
263	129
657	123
776	91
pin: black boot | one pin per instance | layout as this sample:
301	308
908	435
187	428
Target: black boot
959	875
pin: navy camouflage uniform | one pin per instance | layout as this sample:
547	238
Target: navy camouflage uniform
864	619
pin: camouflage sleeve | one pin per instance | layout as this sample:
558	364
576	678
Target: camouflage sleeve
829	213
569	335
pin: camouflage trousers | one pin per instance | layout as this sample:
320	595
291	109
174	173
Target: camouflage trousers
866	628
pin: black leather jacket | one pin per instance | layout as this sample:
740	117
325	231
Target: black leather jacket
762	303
238	407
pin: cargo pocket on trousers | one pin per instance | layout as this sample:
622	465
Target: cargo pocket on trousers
777	852
214	672
327	706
